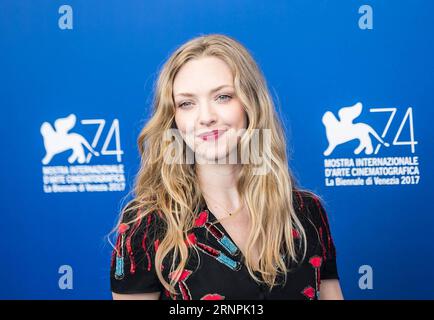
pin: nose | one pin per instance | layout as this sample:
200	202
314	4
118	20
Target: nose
206	115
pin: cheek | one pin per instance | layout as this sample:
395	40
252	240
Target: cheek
237	117
181	122
185	125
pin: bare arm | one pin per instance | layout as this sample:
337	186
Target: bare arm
330	290
136	296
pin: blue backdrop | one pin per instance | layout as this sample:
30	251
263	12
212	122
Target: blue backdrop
89	67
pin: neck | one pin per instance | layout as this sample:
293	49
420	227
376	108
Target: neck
219	181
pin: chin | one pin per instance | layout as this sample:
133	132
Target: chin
212	155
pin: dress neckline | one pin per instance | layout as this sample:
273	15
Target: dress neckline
239	257
215	221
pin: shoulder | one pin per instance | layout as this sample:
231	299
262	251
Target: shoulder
135	219
305	200
132	268
310	206
313	216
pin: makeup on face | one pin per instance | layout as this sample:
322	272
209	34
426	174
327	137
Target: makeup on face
212	135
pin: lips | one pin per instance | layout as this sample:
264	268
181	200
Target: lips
214	134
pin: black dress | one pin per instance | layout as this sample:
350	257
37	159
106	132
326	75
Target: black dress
219	271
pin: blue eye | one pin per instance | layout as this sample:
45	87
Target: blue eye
222	98
225	95
183	104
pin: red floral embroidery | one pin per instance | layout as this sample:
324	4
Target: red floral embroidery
212	296
123	227
309	292
191	239
315	261
202	219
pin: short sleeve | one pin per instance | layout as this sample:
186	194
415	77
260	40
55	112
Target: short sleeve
132	267
329	269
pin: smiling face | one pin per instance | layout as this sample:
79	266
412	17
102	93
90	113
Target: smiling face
205	100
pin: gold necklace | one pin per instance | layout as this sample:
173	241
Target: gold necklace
230	213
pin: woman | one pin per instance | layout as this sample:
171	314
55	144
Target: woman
215	227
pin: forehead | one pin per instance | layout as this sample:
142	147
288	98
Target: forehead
200	75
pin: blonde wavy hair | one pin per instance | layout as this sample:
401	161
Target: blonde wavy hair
173	189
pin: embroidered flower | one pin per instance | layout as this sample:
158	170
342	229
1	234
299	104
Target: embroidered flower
309	292
212	296
315	261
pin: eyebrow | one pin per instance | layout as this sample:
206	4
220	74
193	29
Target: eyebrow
186	94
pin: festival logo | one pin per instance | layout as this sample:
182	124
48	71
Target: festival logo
77	173
369	166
